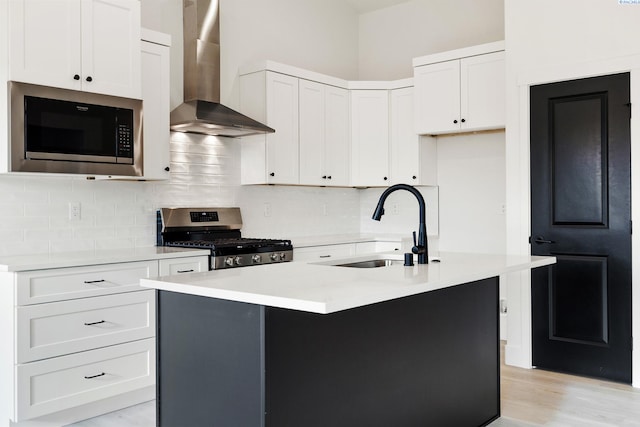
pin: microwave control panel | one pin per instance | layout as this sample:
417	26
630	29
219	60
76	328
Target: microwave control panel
125	135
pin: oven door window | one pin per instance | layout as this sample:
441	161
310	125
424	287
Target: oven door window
63	130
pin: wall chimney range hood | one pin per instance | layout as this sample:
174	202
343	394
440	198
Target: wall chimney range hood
201	111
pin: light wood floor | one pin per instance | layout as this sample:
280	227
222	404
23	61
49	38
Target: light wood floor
530	397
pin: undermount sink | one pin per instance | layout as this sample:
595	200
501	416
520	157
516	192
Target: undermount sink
372	263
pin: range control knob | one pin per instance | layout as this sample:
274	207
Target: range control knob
228	262
282	256
274	257
257	259
237	260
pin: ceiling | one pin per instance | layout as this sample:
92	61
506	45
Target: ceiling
364	6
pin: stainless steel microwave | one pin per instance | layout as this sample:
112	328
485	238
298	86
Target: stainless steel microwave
65	131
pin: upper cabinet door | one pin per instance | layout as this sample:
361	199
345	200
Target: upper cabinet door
155	95
324	135
337	156
111	47
45	42
312	133
370	137
282	115
482	87
91	45
437	97
405	152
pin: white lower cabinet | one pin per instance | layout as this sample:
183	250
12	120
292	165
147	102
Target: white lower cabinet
60	383
324	252
57	328
372	247
76	338
327	252
170	267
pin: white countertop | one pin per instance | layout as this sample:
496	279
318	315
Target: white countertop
324	288
76	259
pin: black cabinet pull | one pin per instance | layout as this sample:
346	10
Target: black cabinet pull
463	120
76	77
324	176
185	271
167	169
385	178
455	121
88	377
324	256
414	177
89	78
93	281
94	323
272	174
329	177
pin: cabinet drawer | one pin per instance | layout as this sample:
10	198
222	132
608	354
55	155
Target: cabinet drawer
169	267
40	286
57	328
319	253
63	382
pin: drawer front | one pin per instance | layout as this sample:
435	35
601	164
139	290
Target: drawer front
320	253
64	382
34	287
169	267
58	328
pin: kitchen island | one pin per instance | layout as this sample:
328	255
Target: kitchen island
299	344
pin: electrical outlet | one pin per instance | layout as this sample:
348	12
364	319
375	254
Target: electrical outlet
74	211
502	209
395	209
267	209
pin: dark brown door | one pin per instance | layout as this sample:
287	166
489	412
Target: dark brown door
581	213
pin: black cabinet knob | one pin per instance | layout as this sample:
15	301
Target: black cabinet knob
272	174
414	177
167	169
463	120
76	77
89	79
329	177
455	121
324	176
385	178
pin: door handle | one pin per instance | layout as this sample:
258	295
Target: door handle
541	240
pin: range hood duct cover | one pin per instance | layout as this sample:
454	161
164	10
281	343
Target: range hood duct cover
201	111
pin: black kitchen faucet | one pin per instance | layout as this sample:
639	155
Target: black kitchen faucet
420	247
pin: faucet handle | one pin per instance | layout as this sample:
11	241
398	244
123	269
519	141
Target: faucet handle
417	249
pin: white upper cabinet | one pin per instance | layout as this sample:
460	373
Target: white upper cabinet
413	158
370	138
460	95
437	101
91	45
324	134
155	97
482	92
271	98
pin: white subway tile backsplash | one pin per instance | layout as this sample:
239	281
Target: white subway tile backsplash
205	172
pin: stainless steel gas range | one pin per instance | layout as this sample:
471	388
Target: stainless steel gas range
218	229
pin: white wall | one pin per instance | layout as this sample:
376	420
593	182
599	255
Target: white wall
390	38
549	41
471	177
